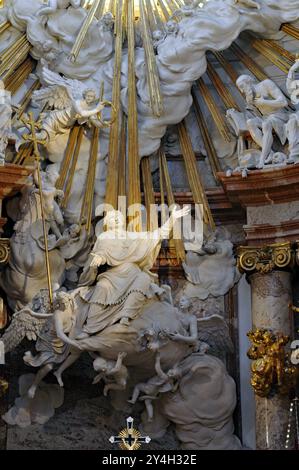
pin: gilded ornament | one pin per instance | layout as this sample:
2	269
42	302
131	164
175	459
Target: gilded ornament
4	250
265	259
271	369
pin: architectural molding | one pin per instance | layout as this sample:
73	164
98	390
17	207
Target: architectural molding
13	178
262	187
265	234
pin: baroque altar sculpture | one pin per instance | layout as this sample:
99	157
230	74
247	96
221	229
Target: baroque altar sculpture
146	348
267	115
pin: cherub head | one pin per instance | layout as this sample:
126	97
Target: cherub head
74	230
157	35
48	45
245	84
172	27
52	174
184	303
41	301
100	365
114	220
174	373
63	301
89	96
76	3
108	19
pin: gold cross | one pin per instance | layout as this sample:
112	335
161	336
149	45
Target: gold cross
33	126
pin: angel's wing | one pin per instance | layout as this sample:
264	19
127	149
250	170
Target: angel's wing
58	91
23	325
213	330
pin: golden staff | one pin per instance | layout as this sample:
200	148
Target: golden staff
122	188
111	7
164	10
19	76
100	10
158	19
208	142
196	184
151	65
223	92
134	193
72	169
290	30
113	158
83	31
69	152
26	100
4	26
149	195
87	204
33	126
178	242
213	107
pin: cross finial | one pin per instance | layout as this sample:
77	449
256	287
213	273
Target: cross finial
33	126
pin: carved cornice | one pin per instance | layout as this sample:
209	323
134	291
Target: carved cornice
13	178
4	250
266	234
262	187
265	259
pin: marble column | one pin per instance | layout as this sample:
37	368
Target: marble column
4	256
271	293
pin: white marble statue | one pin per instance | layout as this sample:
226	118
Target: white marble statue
212	269
129	281
180	60
163	382
158	37
200	408
267	113
27	411
114	373
25	275
73	102
107	22
54	5
268	106
292	126
51	198
51	348
292	83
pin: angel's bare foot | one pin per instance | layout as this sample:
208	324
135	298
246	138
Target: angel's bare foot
32	391
59	378
125	321
82	336
132	401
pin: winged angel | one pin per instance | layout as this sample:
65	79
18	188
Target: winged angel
70	101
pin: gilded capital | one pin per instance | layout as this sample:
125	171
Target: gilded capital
4	250
265	259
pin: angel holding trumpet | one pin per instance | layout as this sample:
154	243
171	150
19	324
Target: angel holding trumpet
70	101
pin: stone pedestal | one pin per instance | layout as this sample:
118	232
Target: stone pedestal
271	294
